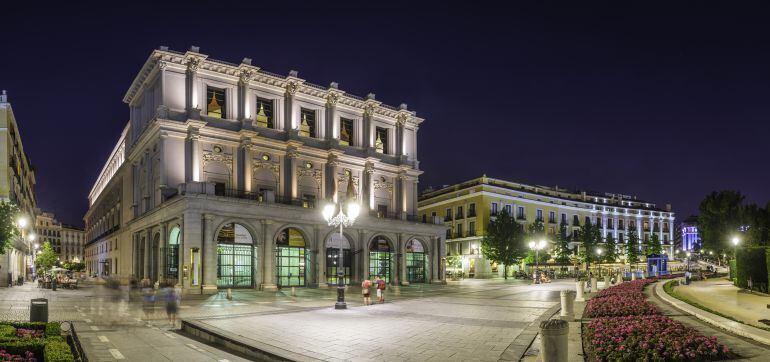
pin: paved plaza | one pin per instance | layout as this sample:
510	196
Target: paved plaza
722	296
469	320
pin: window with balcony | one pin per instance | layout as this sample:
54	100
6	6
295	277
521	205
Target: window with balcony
493	209
621	224
609	223
509	210
472	228
459	231
472	210
307	127
448	215
381	140
459	214
599	222
646	225
265	113
346	132
564	219
539	215
216	102
520	213
588	220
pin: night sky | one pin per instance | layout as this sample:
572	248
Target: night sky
666	102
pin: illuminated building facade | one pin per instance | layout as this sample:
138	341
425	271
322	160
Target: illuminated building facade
690	238
466	209
218	178
17	186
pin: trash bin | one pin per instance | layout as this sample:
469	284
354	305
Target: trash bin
38	310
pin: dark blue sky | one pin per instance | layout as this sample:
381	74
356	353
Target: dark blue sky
666	101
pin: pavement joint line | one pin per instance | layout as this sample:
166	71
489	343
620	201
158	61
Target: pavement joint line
169	335
94	328
87	320
103	339
116	354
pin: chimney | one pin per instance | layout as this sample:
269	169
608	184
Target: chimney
402	106
294	73
334	85
164	48
195	49
4	97
370	96
246	61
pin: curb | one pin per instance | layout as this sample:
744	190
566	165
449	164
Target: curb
731	326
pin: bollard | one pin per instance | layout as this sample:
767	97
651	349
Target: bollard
293	292
229	294
579	288
567	312
606	282
594	285
553	340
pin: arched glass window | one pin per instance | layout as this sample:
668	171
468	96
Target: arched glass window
379	258
333	258
415	262
235	257
290	257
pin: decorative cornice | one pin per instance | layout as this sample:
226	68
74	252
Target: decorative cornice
209	156
315	174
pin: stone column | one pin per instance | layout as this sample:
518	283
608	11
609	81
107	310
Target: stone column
289	169
402	258
243	88
135	188
146	254
162	252
209	255
366	188
162	176
244	165
268	257
364	254
190	76
331	115
288	122
192	156
369	110
400	122
330	178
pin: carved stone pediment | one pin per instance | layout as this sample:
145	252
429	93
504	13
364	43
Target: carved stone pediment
209	156
260	165
315	174
383	185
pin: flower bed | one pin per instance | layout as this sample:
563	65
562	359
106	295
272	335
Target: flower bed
652	337
28	342
628	327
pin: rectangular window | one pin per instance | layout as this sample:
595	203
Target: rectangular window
552	217
575	220
265	113
216	102
520	213
448	215
564	219
609	223
620	224
646	225
381	141
346	132
494	209
472	228
539	215
472	210
382	210
459	230
599	222
308	201
307	127
459	214
509	210
621	238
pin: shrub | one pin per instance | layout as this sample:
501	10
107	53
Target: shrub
732	270
21	346
26	357
52	329
7	331
648	338
750	263
57	350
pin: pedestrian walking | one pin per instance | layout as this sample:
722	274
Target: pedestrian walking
172	303
365	285
380	289
148	299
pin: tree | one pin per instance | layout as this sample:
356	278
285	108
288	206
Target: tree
503	242
653	245
588	241
542	257
632	247
611	253
721	215
8	228
758	220
46	259
561	249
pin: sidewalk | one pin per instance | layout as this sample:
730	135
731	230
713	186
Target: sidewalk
722	296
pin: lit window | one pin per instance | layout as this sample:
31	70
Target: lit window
381	142
216	102
307	127
346	132
265	113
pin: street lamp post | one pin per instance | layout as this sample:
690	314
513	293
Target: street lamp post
342	214
688	261
536	246
735	241
599	252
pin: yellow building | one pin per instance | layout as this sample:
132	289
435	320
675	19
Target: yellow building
17	185
467	208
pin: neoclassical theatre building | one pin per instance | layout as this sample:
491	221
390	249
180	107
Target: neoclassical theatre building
219	178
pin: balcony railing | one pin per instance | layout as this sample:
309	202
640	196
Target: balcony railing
447	218
394	216
459	216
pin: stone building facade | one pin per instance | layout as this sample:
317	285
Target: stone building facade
466	209
219	177
66	240
17	185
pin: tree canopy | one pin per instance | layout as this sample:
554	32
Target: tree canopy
721	215
46	259
610	254
8	228
561	249
503	242
632	246
653	245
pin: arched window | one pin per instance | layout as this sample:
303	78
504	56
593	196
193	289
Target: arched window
290	257
415	262
172	255
333	258
379	258
235	257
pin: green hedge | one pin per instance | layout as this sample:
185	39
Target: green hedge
7	331
52	348
751	262
732	270
57	350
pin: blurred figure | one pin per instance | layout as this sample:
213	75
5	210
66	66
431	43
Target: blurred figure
365	285
148	299
172	303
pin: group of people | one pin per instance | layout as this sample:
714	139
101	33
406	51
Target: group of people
168	295
366	286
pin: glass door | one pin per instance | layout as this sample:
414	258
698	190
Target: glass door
290	265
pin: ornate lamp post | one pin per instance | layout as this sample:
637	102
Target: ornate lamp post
342	214
536	246
599	252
